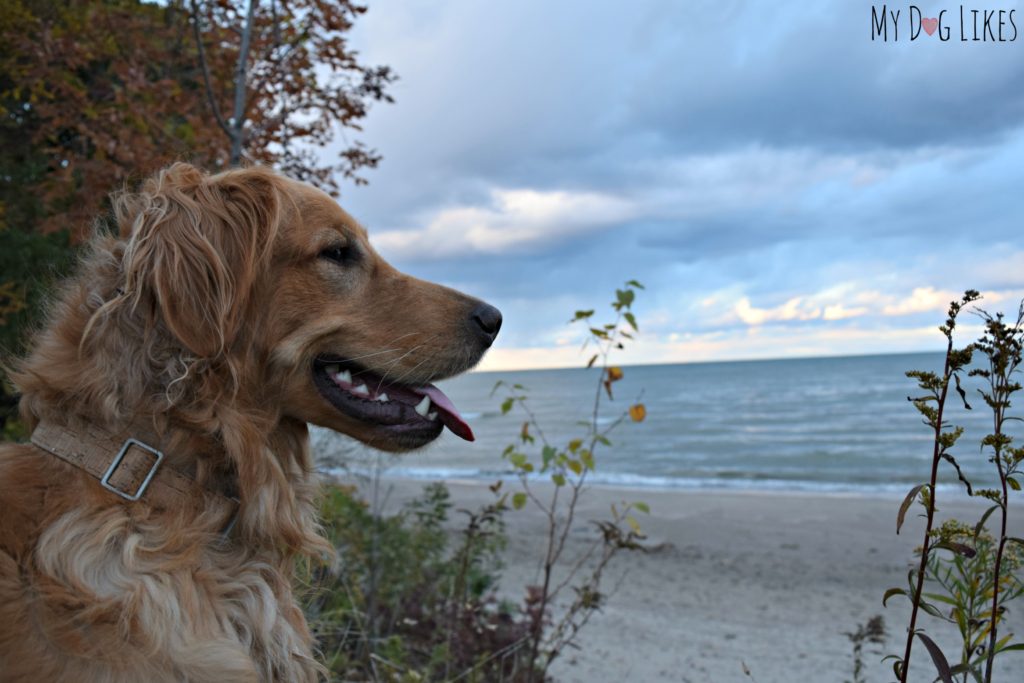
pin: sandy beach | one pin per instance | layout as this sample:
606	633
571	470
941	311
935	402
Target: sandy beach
771	581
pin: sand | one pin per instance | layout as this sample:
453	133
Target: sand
770	581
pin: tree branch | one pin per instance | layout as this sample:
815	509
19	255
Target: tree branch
206	71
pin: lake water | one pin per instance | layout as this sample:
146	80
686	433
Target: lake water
821	424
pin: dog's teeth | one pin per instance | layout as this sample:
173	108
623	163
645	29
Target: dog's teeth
344	376
432	415
423	406
383	398
332	369
361	390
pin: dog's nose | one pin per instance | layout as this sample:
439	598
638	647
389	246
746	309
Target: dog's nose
487	321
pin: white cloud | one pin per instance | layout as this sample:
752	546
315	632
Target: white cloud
797	308
841	312
514	220
920	300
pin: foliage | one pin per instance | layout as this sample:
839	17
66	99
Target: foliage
302	82
405	604
412	599
94	95
1001	346
977	578
567	468
963	584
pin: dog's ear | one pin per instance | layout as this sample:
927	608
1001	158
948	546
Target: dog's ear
195	244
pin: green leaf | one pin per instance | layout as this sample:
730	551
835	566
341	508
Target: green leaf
984	518
506	405
931	609
939	659
959	669
519	500
891	592
1014	484
575	444
634	283
575	466
582	315
941	598
1001	643
633	524
642	507
587	458
1016	646
911	495
631	319
547	455
593	359
558	479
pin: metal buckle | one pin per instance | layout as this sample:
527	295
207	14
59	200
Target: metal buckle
128	443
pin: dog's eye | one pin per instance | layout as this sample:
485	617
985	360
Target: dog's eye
339	254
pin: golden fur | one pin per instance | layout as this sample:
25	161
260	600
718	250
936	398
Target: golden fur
200	319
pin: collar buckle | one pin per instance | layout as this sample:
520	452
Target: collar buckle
128	443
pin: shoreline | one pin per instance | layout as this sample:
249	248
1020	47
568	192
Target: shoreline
425	476
764	579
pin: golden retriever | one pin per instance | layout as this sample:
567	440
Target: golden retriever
193	348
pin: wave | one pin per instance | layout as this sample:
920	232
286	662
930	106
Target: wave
637	481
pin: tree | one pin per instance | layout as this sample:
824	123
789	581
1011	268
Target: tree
96	94
292	82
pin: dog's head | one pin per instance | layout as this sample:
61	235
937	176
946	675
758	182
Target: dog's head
271	279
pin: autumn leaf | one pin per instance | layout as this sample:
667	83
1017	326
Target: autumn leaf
614	373
637	412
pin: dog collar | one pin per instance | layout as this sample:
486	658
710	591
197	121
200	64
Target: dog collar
128	465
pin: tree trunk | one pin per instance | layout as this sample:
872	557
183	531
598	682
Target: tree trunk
238	120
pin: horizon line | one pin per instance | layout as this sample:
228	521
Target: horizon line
713	362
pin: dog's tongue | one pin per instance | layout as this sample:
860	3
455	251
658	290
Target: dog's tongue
447	412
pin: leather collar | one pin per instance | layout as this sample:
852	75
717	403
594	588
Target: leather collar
129	465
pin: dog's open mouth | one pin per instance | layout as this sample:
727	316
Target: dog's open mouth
371	398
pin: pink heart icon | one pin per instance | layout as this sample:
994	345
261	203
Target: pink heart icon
929	25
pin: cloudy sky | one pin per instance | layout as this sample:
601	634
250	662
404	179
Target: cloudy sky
782	184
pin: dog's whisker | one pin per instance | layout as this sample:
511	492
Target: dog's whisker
393	363
414	368
410	370
375	353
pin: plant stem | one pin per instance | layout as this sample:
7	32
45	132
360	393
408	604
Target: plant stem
556	541
1000	397
936	453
